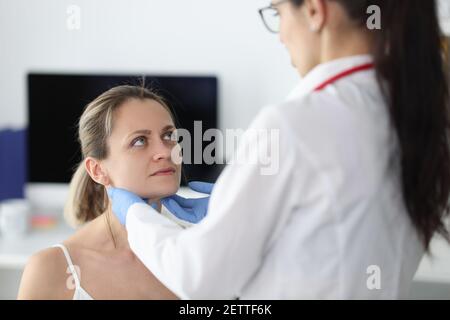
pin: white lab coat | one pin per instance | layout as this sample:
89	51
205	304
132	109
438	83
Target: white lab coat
331	224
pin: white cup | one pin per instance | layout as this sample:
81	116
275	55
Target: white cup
14	218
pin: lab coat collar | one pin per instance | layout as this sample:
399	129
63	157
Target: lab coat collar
325	71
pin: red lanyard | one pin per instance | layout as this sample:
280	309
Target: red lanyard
344	74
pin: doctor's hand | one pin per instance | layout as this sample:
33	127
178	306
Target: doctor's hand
122	200
190	210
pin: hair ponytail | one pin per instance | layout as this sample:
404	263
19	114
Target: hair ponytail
409	59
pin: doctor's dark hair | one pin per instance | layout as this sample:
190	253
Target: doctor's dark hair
411	69
88	199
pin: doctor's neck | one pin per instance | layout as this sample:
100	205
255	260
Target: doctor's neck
343	38
352	41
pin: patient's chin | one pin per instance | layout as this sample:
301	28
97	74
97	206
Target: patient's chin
159	193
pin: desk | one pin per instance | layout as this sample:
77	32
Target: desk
433	272
435	268
15	253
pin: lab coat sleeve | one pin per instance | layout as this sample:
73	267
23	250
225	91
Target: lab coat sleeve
249	205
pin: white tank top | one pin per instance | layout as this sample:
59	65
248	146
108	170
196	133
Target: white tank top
80	293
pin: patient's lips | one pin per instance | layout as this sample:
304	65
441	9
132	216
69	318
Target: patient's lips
164	172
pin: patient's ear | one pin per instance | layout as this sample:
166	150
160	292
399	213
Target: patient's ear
95	170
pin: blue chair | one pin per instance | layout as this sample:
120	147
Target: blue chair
13	163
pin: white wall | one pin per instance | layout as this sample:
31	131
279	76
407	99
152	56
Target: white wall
225	38
222	37
444	12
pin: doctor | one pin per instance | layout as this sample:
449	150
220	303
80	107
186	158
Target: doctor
363	177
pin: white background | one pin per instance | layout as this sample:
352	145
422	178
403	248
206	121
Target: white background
223	38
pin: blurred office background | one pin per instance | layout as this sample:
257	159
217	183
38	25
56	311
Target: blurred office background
224	40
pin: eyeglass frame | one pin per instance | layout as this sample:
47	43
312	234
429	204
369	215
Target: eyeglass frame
273	7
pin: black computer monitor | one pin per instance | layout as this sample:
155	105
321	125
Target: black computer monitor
56	102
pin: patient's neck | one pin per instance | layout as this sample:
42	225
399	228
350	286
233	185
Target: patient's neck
118	232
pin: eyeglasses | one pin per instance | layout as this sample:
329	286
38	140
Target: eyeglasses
271	17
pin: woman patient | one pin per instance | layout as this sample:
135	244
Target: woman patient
127	137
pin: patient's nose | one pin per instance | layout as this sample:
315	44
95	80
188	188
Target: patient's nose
161	150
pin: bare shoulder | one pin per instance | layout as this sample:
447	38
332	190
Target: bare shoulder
44	276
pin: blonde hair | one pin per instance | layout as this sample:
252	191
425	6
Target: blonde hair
87	199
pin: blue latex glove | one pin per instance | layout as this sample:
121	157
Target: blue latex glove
190	210
122	200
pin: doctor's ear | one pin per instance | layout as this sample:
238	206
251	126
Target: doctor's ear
96	172
315	12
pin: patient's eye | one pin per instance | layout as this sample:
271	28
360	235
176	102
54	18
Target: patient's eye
171	136
139	142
